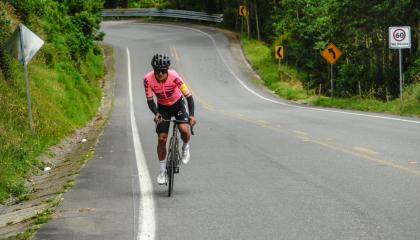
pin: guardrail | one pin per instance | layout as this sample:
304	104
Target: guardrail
154	12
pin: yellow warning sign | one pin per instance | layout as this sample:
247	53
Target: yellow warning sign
279	52
331	53
242	10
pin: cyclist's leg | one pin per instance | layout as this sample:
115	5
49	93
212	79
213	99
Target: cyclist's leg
162	131
182	115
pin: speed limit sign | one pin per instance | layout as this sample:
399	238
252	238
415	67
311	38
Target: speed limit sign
400	37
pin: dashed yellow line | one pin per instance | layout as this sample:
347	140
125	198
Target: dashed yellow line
300	133
365	150
367	157
174	53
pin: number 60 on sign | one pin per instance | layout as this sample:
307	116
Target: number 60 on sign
399	37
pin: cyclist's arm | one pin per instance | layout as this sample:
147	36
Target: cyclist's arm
152	106
190	102
186	92
149	96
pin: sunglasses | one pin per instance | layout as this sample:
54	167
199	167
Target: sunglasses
162	71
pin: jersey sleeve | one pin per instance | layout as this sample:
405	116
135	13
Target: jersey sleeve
147	89
179	82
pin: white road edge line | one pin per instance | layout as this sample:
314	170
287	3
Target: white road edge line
147	228
282	103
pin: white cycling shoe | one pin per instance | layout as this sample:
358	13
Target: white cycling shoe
162	178
185	158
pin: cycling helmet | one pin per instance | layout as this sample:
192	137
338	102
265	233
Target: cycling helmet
160	61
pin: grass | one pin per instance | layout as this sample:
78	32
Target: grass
283	80
369	105
62	98
286	82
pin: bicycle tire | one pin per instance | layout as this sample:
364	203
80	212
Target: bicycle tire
177	157
171	167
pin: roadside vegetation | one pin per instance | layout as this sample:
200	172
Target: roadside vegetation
64	83
286	82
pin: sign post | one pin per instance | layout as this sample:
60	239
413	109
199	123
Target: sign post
243	13
399	38
331	54
23	45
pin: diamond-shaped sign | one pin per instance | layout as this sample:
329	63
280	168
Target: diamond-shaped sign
242	10
331	53
24	44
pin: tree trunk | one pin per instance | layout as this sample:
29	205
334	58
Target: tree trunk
247	20
256	19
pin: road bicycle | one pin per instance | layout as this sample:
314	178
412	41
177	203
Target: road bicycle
173	157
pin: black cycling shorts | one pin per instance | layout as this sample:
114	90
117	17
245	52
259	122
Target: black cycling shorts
177	110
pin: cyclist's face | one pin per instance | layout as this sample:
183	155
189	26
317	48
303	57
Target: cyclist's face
161	74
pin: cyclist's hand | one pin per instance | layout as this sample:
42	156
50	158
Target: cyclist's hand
192	120
158	118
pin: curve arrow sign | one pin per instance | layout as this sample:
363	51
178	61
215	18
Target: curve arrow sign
279	52
242	10
331	53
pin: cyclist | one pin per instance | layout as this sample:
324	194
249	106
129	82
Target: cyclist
169	89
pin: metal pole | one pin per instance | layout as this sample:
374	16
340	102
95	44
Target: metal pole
25	67
332	86
28	94
401	85
242	25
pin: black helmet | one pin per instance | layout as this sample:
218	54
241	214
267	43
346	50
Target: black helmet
160	61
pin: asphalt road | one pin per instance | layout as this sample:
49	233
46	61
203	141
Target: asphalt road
261	168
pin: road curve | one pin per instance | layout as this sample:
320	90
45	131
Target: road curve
261	168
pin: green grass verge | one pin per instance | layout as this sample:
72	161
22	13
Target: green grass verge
286	82
63	99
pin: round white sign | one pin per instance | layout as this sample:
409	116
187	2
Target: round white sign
400	37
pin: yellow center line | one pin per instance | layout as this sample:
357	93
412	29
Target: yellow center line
367	157
300	133
365	150
262	122
174	53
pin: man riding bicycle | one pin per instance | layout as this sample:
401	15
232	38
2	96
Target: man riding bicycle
169	89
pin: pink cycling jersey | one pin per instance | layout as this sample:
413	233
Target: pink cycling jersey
168	92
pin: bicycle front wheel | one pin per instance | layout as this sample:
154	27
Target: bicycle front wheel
170	167
171	173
